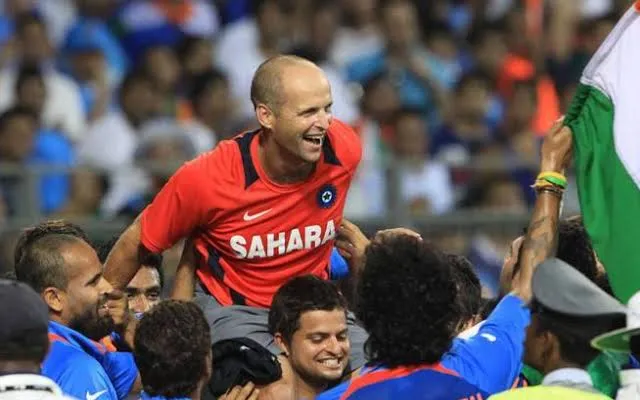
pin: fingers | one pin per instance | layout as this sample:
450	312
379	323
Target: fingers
345	248
246	392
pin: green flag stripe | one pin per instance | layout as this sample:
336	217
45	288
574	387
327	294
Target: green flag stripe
609	198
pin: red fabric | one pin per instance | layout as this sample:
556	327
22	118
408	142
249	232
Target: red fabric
207	196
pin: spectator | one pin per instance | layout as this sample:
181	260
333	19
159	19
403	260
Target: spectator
22	144
92	21
63	107
166	23
309	323
425	185
163	147
55	260
465	131
213	111
50	146
359	34
88	188
85	61
493	194
145	289
119	131
405	60
252	41
160	63
172	349
196	57
23	344
379	106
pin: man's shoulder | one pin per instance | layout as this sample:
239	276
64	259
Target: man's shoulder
63	355
345	142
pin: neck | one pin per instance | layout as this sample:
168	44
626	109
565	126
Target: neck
19	367
279	164
306	391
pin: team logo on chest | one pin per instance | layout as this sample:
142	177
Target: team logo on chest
326	196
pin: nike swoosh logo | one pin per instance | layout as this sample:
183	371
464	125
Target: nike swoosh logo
94	396
248	217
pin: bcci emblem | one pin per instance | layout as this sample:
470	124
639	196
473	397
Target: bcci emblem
326	196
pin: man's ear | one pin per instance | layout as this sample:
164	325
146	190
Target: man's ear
282	344
265	116
54	298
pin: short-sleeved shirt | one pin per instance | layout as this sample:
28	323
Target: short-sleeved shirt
254	234
489	361
85	369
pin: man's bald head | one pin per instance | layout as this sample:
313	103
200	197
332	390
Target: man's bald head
267	83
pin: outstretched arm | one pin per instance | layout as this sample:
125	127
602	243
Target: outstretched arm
541	239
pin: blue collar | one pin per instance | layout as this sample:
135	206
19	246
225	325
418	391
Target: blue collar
76	339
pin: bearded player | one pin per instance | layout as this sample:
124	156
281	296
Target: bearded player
262	208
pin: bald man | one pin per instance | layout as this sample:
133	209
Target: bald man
263	207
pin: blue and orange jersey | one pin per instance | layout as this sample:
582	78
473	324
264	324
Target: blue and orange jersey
429	382
84	368
254	234
490	360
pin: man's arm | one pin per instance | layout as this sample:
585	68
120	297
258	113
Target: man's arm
540	242
174	213
125	258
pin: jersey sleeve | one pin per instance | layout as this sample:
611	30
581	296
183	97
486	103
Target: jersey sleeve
492	358
85	379
122	372
179	207
347	143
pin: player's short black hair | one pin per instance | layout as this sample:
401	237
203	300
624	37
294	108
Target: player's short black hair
16	112
151	260
46	228
172	349
300	295
26	73
406	301
469	290
42	264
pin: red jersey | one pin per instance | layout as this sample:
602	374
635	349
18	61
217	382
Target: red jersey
254	234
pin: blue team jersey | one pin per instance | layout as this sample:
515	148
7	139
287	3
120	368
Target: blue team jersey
84	369
490	360
430	382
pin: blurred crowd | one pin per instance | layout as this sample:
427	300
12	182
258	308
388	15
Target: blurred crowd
450	97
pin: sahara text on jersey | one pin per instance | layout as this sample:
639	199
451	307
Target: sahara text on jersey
262	246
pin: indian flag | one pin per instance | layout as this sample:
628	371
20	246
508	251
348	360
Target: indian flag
605	119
